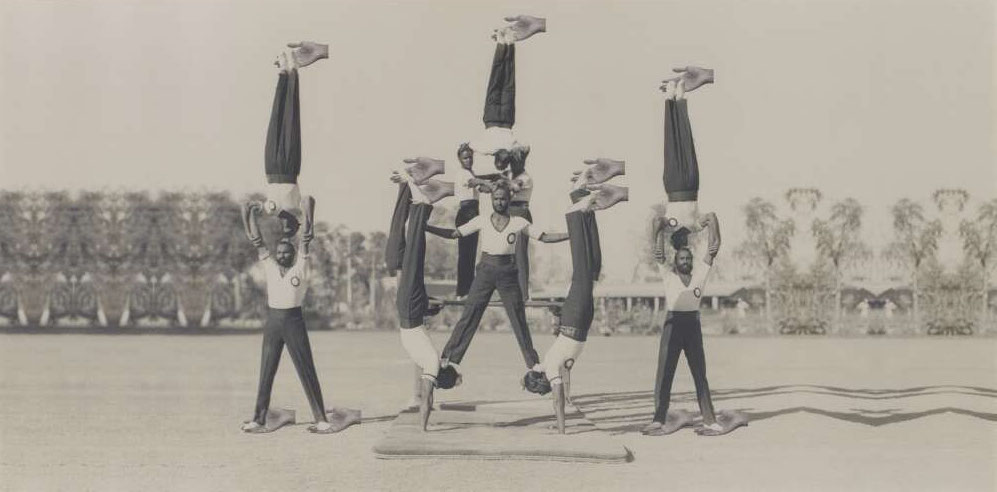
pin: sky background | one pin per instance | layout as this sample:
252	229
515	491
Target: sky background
875	100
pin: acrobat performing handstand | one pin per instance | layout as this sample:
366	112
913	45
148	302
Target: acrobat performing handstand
412	301
575	318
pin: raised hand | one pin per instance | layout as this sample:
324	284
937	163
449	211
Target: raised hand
692	78
607	195
436	190
423	168
308	52
600	170
525	26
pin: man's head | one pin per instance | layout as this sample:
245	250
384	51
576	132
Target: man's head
285	253
501	195
465	155
447	377
536	382
683	261
503	158
289	224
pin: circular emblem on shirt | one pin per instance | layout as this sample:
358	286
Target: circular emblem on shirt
271	206
696	292
295	281
511	238
673	222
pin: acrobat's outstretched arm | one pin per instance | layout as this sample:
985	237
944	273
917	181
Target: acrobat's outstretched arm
250	213
712	226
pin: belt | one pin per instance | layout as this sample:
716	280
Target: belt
468	202
576	334
686	315
295	311
498	259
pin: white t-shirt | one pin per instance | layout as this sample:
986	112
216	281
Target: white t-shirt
285	291
678	296
496	242
461	190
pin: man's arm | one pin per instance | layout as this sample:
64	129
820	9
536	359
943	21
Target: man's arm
553	237
544	237
712	226
471	227
250	215
443	232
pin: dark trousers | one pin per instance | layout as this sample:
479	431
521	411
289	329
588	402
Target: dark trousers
287	326
682	331
394	253
494	272
500	97
521	209
467	248
412	300
579	307
282	155
681	174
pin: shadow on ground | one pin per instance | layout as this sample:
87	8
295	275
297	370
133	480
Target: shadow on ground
623	412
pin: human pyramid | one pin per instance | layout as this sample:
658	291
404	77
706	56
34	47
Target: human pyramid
503	236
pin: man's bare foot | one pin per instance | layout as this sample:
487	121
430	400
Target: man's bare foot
692	78
307	52
607	195
423	168
436	190
523	27
600	170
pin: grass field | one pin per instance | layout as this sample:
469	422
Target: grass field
162	412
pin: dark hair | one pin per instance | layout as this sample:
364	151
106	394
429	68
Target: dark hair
286	241
502	184
446	377
536	382
680	239
291	220
464	147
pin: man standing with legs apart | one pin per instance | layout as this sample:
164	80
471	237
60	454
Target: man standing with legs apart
684	286
499	234
287	280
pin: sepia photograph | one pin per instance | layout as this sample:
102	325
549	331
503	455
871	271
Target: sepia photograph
709	245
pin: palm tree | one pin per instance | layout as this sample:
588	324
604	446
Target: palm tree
767	242
979	241
839	243
915	243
